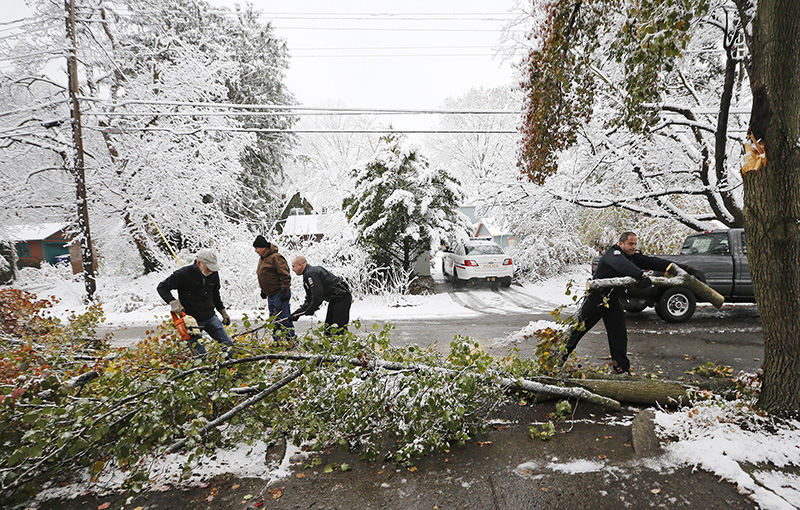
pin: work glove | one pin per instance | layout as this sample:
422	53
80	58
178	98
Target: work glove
284	294
644	282
226	319
175	306
294	317
263	296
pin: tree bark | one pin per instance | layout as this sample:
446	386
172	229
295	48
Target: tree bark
772	199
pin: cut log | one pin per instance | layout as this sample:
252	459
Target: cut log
631	390
677	277
699	288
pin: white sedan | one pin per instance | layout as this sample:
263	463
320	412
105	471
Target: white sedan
477	260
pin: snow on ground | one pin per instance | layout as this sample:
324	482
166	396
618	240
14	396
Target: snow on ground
135	302
244	461
735	444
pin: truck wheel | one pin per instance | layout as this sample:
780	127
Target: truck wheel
677	304
505	281
444	273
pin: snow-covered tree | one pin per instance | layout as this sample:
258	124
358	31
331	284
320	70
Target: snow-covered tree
159	152
482	161
402	206
639	106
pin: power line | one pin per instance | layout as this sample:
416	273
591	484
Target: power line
374	29
293	108
200	130
403	55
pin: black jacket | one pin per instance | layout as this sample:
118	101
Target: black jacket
321	285
614	262
198	294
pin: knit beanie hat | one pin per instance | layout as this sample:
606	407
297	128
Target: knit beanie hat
260	242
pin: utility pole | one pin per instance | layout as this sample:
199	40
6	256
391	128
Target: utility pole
77	168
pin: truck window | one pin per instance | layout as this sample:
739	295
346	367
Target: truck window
710	244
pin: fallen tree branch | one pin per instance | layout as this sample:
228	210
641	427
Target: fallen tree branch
241	407
677	278
519	385
77	381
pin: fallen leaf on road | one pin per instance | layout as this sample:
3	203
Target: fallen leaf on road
344	466
328	469
601	456
484	443
276	493
104	506
412	468
608	437
300	475
234	486
248	497
544	489
655	491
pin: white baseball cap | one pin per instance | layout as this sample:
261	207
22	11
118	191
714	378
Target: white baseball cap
209	258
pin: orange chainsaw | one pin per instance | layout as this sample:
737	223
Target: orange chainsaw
186	325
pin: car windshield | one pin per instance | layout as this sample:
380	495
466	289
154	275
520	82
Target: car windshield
712	244
483	249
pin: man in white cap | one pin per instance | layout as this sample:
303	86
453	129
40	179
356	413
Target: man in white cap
198	295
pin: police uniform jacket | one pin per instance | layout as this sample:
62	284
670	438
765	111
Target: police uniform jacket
320	285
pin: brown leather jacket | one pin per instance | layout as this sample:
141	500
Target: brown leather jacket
273	272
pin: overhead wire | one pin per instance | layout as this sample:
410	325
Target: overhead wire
199	130
289	107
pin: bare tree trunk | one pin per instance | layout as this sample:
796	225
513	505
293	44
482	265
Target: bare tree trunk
772	199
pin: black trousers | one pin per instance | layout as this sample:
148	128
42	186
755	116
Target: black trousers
594	308
338	313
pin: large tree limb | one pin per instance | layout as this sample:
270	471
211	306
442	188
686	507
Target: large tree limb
241	407
505	382
678	277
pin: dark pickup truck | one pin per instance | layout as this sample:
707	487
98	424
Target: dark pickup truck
721	255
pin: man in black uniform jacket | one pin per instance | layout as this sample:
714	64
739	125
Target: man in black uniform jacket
621	259
198	294
322	285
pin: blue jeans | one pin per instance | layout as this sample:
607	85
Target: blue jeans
215	330
280	310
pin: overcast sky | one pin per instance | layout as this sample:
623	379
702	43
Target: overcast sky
380	53
409	54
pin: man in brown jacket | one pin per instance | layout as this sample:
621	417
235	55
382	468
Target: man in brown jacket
275	282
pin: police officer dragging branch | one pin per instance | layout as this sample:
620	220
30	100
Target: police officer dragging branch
621	259
198	295
322	285
275	282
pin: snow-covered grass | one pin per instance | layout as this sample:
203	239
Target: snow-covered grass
729	439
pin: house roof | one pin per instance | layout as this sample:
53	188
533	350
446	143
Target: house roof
304	224
33	232
491	227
